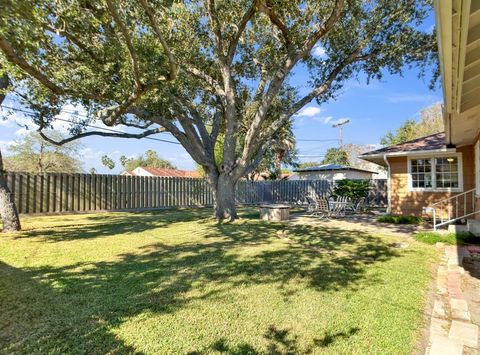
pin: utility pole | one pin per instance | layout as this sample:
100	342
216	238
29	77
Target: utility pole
340	125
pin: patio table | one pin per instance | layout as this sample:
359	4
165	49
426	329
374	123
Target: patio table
339	207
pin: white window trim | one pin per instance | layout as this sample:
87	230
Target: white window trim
477	169
436	189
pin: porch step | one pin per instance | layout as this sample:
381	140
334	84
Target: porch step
457	228
473	226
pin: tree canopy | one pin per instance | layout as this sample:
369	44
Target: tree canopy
336	156
149	160
32	154
429	122
202	69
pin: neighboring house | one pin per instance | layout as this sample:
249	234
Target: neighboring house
144	171
441	172
331	172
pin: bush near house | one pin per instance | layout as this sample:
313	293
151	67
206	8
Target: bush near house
353	189
400	219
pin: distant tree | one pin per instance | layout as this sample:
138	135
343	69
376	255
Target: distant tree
149	160
93	171
281	153
33	154
108	162
353	153
429	122
336	156
8	209
309	164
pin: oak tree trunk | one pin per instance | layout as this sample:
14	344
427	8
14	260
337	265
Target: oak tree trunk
223	187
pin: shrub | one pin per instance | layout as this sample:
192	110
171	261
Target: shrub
449	238
354	189
400	219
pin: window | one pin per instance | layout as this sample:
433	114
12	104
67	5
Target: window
446	171
421	173
438	173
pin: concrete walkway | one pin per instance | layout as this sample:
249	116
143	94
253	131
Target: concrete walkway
365	223
452	331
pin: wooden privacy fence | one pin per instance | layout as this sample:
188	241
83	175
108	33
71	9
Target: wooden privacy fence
53	193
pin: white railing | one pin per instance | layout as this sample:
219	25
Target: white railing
454	208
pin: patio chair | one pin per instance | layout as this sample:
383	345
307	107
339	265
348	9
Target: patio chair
321	209
360	205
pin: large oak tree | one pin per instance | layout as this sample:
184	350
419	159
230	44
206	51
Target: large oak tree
203	69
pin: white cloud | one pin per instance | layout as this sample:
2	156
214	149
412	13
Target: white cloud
309	111
327	120
319	51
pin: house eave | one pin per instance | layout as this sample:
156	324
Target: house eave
379	159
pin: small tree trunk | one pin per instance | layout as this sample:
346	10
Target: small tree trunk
278	164
8	210
223	187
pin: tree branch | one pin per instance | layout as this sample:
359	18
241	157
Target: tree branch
319	90
197	155
215	25
269	11
168	52
14	58
73	39
128	40
240	28
197	119
102	134
323	30
207	78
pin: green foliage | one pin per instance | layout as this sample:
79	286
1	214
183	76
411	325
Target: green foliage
400	219
309	164
336	156
148	160
354	189
108	162
177	282
246	84
447	238
430	122
32	154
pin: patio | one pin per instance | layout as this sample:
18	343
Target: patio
366	223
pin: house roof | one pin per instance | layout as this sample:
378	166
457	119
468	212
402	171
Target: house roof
166	172
332	167
433	142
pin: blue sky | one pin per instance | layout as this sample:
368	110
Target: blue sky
373	109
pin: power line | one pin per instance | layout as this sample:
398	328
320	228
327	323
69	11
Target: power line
117	131
317	140
89	125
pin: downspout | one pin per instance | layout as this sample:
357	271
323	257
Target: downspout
389	195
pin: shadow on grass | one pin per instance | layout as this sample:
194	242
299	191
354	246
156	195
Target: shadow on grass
278	341
111	224
72	309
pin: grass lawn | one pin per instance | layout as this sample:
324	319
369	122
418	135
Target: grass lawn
177	282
